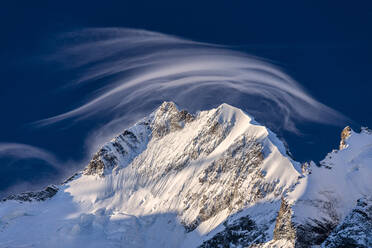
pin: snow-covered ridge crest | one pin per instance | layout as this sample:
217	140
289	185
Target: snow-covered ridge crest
328	193
122	149
172	171
224	146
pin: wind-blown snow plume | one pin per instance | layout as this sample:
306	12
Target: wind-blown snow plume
132	71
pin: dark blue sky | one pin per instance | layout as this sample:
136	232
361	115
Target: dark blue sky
324	45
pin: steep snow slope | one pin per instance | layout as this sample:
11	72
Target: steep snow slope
171	180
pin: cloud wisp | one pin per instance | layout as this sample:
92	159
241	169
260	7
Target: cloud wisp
138	69
23	151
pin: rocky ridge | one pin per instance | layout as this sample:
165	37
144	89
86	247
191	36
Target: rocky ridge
42	195
355	230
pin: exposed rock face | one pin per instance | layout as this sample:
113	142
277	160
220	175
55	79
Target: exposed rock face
284	228
121	150
42	195
344	135
355	230
306	167
168	119
126	146
313	232
242	232
96	165
237	166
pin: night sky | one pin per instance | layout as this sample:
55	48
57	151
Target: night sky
323	45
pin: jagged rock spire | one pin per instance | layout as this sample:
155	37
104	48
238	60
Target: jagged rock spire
344	135
168	118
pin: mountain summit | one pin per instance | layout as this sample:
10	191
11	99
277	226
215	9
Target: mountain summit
214	179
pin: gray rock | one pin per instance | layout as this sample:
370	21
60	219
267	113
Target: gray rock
42	195
355	230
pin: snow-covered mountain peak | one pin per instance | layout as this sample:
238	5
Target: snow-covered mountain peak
171	171
121	150
214	179
168	118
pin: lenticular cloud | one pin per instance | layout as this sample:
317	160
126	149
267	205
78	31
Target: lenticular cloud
130	72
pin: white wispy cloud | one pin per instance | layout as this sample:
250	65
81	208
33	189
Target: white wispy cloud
23	151
141	68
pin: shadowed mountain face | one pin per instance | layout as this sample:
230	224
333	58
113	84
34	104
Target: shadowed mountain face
213	179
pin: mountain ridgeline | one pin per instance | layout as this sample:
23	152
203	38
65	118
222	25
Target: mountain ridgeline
212	179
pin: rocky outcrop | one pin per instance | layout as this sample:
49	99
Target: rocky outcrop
242	232
239	163
306	167
124	147
120	151
169	119
355	230
284	228
344	135
96	165
312	232
42	195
